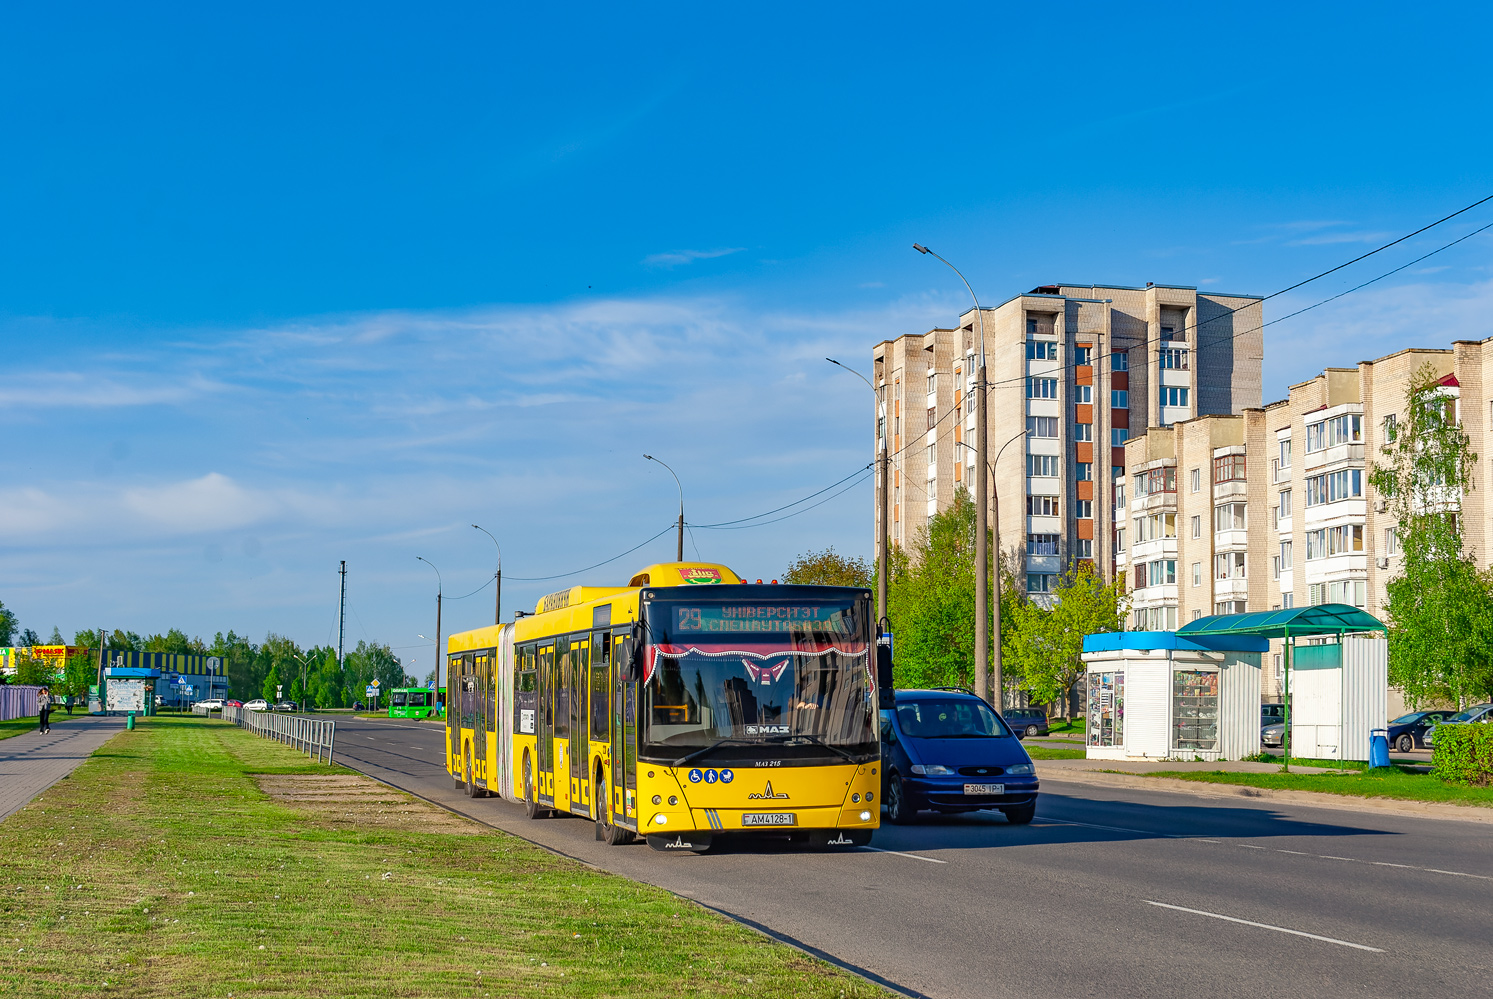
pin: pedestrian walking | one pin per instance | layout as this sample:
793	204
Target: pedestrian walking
44	710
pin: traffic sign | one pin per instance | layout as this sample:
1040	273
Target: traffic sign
375	682
372	691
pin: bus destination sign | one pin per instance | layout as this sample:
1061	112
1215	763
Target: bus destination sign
750	618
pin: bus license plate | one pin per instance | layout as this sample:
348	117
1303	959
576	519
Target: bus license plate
984	789
768	819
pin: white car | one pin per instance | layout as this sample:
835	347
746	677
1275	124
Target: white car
212	704
259	704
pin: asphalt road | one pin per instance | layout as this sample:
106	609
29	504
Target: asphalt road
1108	893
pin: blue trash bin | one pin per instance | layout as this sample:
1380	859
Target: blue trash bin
1379	747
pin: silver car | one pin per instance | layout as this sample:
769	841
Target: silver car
1478	713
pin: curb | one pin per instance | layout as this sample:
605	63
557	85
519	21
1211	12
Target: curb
1317	799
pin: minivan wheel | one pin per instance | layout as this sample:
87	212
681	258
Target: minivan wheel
1020	815
898	809
1405	743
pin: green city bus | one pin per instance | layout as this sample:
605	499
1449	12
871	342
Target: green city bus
414	702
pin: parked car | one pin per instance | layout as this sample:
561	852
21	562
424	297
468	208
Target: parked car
1272	714
1408	732
1026	721
235	704
1271	736
1482	713
258	704
211	704
286	706
947	750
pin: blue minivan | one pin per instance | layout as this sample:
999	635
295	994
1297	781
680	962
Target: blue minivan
946	750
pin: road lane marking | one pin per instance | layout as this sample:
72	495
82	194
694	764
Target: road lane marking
899	853
1251	846
1267	926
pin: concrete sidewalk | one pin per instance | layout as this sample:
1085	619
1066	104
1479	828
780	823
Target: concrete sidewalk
31	763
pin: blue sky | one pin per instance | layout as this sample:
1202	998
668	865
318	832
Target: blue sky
281	285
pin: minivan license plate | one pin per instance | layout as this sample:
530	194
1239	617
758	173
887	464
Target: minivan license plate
984	789
768	819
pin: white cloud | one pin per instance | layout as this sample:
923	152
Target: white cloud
680	257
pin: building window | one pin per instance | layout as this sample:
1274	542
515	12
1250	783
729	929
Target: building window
1196	613
1040	350
1275	567
1119	398
1042	426
1197	574
1118	436
1229	517
1042	506
1341	540
1391	541
1083	431
1041	544
932	382
1330	433
1041	388
1042	464
1162	571
1083	393
1229	565
1197	479
1288	600
1120	540
1172	396
1333	486
1174	358
1391	429
1119	489
1083	548
1119	361
1156	480
1228	468
1285	556
1342	591
1083	354
1084	471
1156	525
1083	509
1285	452
1041	582
1229	607
1285	503
1197	526
932	417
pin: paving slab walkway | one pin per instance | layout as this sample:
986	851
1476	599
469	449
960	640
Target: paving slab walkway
33	762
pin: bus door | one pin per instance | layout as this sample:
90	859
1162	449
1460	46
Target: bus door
597	715
544	745
624	738
482	706
453	718
560	784
579	751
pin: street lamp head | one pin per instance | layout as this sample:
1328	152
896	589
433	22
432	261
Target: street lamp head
920	248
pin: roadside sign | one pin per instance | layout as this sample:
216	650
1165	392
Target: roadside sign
372	691
375	682
279	691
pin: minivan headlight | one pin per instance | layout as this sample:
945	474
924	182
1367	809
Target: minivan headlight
931	770
1022	769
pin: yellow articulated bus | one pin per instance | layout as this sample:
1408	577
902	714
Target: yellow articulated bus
680	707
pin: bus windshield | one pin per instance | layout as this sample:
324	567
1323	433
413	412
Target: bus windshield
790	679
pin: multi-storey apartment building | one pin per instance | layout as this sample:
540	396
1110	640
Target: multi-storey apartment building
1273	508
1074	371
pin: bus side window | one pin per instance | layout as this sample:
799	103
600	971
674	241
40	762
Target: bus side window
601	656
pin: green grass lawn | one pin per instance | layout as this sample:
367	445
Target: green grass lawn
1046	752
16	726
1384	782
162	869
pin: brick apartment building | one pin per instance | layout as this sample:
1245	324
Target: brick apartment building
1075	371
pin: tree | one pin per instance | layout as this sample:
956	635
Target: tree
33	671
174	642
370	661
8	625
28	638
829	568
1439	619
1046	646
56	638
240	664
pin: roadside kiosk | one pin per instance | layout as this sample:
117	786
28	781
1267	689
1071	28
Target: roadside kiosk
1158	695
1340	678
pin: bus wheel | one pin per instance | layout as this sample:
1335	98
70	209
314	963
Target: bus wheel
606	831
531	799
471	788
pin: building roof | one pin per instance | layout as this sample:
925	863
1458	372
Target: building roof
1140	641
1291	622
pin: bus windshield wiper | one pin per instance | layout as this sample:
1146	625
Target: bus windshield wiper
818	742
710	748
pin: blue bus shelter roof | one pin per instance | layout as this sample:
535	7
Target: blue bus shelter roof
1289	622
1141	641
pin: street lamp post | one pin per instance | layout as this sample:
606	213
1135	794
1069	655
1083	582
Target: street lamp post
497	604
984	677
680	548
439	586
995	494
305	670
883	460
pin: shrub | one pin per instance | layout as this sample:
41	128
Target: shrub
1463	754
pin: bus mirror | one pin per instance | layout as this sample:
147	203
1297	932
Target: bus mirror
884	665
628	653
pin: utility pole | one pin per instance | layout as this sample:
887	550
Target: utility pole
341	611
987	674
679	556
439	587
497	607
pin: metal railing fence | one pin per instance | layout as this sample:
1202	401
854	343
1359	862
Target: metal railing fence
311	736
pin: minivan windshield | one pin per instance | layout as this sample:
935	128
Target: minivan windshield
951	718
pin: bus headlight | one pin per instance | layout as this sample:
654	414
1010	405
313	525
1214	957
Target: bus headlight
661	820
865	816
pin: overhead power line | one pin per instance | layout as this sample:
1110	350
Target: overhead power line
769	513
598	565
859	477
